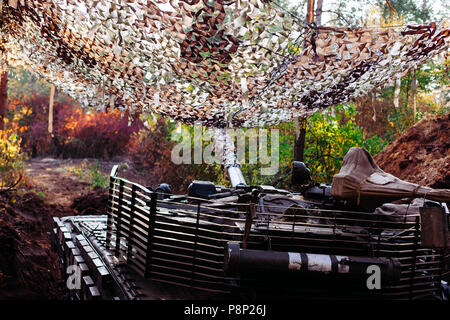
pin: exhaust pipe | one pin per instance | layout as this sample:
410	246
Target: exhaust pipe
247	262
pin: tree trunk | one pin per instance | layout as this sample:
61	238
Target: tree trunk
300	135
398	84
50	110
310	11
414	94
3	97
319	12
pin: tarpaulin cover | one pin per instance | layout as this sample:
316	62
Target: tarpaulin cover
402	212
361	179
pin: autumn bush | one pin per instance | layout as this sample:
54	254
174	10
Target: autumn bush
95	134
11	159
76	132
33	126
11	155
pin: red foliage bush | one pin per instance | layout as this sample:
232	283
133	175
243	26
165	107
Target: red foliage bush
75	133
96	134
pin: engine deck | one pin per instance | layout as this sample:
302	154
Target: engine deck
159	246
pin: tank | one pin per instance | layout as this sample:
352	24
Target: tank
252	242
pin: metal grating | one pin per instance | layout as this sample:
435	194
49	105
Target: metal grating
184	244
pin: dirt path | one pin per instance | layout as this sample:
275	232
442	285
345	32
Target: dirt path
56	181
51	178
67	185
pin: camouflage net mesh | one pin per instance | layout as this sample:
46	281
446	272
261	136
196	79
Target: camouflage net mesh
218	63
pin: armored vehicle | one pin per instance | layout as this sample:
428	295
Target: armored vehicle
386	239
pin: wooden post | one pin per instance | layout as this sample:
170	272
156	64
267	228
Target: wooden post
414	94
50	110
398	84
3	97
373	96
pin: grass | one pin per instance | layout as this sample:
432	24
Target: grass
41	195
91	172
97	178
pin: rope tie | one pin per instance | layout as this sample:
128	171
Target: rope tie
358	191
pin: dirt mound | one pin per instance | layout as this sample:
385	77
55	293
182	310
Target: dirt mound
91	203
28	267
421	155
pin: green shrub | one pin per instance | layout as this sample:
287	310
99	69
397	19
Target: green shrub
330	136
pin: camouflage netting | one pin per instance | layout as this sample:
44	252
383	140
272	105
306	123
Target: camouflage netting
242	63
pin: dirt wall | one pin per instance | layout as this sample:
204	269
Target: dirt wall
422	154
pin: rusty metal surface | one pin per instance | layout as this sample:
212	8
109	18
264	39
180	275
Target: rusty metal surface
434	227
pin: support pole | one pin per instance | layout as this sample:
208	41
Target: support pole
50	110
3	97
301	122
414	94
